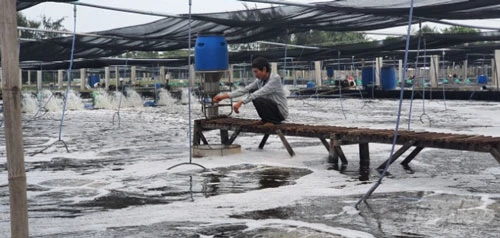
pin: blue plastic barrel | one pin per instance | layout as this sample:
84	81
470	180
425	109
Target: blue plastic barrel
310	84
210	53
329	72
93	79
482	79
388	78
367	76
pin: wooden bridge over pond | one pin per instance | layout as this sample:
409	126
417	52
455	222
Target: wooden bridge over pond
334	137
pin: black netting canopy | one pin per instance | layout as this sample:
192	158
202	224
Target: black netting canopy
171	33
23	4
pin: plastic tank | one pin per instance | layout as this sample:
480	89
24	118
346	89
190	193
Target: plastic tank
388	77
368	76
482	79
310	84
329	72
210	53
93	79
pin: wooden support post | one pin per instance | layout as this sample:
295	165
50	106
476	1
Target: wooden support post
196	133
106	77
83	79
233	136
60	75
263	141
12	118
285	143
224	136
333	156
364	161
412	156
341	154
496	154
325	143
396	155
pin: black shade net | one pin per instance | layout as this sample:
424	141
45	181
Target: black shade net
252	25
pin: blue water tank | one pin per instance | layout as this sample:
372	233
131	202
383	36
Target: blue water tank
329	72
482	79
210	53
93	79
368	76
388	78
310	84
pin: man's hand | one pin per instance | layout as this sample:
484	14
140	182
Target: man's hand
220	97
237	106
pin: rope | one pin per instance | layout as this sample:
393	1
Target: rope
340	87
68	74
415	74
189	99
444	78
424	114
373	188
117	113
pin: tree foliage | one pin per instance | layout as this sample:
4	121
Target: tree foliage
46	23
459	29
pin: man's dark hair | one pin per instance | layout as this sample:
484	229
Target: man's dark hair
261	63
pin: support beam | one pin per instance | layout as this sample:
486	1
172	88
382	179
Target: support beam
231	73
224	136
162	77
379	62
29	78
465	70
497	68
263	141
325	143
11	95
496	154
434	71
60	77
364	161
83	79
192	75
39	84
396	155
410	157
285	143
233	136
117	76
133	75
333	156
317	73
107	74
401	70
